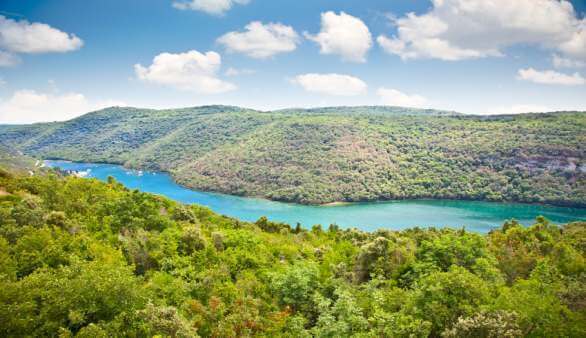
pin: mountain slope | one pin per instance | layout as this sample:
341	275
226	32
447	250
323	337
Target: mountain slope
332	154
13	162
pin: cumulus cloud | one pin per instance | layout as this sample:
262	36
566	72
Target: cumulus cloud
393	97
550	77
214	7
344	35
261	41
24	37
28	106
331	84
191	71
467	29
562	62
239	71
575	47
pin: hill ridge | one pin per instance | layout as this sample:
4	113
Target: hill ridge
330	154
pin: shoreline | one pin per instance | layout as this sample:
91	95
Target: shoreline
326	204
339	203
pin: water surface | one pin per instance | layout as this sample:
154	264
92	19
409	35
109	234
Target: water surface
474	215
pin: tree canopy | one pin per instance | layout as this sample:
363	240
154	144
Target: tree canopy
80	257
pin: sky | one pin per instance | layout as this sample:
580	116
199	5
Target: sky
62	58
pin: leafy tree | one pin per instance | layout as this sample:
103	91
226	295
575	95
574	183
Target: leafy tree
486	325
295	286
343	318
443	297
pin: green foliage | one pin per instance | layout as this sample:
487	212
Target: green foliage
487	325
343	318
166	321
14	162
79	257
296	286
68	297
541	311
332	154
443	297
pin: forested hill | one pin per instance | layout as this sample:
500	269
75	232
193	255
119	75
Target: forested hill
332	154
13	161
84	258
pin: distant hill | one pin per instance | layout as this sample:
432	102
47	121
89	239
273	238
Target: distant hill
15	162
332	154
372	110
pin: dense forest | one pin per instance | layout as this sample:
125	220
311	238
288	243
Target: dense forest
316	156
84	258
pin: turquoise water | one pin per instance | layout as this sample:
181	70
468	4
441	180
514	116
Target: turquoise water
475	216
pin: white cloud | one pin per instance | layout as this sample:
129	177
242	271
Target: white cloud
239	71
261	41
344	35
8	59
550	77
191	71
28	106
575	47
214	7
393	97
430	48
331	84
562	62
466	29
24	37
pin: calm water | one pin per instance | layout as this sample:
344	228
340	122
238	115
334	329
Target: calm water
476	216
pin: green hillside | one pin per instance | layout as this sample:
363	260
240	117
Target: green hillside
84	258
324	155
13	161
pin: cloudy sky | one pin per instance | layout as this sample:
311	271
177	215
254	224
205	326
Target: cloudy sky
62	58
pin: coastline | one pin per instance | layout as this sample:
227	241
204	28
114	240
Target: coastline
368	216
325	204
336	204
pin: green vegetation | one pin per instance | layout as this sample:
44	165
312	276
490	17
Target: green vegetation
324	155
84	258
15	162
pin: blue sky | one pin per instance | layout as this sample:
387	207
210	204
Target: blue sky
63	58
